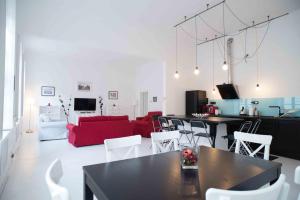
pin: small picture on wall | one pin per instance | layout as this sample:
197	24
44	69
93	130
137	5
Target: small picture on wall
84	86
47	91
154	99
113	95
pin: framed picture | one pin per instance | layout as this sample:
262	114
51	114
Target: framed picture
47	91
113	95
84	86
154	99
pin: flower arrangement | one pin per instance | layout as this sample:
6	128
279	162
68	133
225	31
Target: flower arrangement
189	158
66	108
101	105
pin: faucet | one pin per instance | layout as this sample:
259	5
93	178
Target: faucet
279	110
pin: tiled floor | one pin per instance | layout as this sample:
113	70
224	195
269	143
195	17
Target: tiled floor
26	181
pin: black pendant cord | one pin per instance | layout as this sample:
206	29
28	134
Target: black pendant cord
176	50
196	34
213	65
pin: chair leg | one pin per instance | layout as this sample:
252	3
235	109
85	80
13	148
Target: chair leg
232	145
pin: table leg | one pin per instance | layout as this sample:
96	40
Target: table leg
87	192
213	133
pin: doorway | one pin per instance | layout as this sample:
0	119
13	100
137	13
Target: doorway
143	103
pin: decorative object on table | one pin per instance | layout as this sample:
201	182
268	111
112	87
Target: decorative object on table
200	115
154	99
30	102
253	109
112	95
47	91
84	86
66	108
189	157
101	105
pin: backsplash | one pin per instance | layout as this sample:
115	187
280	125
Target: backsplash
233	107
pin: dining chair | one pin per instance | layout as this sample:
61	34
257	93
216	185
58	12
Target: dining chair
130	142
256	126
180	126
164	124
53	176
244	139
155	123
297	178
277	191
200	130
245	127
158	139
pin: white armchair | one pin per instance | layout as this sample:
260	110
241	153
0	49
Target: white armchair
51	125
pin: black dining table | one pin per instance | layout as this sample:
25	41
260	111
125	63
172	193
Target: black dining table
160	176
212	121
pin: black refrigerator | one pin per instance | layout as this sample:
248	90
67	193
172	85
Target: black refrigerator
195	101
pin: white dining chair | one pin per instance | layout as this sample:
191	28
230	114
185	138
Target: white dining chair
130	142
243	140
297	178
277	191
53	176
159	138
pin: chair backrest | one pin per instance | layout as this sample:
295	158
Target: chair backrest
245	126
163	122
177	123
256	126
198	124
158	138
130	142
53	176
277	191
242	140
155	123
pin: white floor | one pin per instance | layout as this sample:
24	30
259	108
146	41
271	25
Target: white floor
26	181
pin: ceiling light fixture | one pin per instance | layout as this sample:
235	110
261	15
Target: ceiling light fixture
225	65
196	71
176	75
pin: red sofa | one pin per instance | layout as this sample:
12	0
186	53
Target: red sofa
94	130
144	126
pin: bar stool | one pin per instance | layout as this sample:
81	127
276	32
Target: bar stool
202	127
180	126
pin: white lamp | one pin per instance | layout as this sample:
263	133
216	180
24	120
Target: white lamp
225	66
196	71
30	102
176	75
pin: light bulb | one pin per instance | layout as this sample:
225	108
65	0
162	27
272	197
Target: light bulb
225	66
257	87
176	75
214	91
196	71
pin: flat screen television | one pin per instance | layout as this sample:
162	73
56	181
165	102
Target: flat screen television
84	104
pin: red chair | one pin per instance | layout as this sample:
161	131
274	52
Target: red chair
145	125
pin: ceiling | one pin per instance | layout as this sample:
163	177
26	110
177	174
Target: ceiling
129	27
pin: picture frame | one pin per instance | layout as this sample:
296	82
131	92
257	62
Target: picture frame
48	91
154	99
112	95
84	86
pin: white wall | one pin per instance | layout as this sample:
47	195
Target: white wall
279	62
64	72
2	57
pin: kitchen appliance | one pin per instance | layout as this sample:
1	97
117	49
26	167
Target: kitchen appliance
228	91
211	108
195	102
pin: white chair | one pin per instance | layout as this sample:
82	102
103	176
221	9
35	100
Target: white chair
277	191
53	176
297	178
242	140
130	142
158	138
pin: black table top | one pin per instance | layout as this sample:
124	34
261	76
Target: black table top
161	177
209	120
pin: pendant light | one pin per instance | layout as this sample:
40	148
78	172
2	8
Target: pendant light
213	68
257	63
176	75
196	71
225	65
